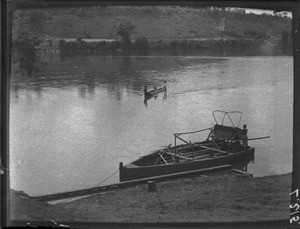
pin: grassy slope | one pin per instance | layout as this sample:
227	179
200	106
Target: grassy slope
28	210
207	198
217	197
151	22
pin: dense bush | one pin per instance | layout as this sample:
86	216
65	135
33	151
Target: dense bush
185	44
286	42
174	44
27	54
80	46
256	34
141	43
61	44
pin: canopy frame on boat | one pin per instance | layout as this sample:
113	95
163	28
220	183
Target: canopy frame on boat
227	114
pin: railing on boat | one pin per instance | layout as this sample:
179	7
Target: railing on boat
176	136
219	134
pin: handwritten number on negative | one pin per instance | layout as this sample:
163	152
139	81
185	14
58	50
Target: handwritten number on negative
295	207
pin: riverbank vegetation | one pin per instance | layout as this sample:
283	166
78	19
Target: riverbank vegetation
142	43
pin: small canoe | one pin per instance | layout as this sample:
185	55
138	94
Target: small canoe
154	92
224	145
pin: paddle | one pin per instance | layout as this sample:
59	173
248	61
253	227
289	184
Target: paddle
251	139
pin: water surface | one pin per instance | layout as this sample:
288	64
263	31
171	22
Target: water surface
79	116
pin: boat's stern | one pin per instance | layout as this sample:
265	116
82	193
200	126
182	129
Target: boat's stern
121	173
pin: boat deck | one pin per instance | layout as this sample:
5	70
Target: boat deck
184	153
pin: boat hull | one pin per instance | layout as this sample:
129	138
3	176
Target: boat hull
132	172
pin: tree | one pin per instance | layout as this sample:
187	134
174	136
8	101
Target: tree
25	40
26	53
142	43
125	30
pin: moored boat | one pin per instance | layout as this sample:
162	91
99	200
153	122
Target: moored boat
225	144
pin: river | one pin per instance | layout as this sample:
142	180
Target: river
79	116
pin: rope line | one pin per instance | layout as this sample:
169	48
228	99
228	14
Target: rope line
106	178
93	186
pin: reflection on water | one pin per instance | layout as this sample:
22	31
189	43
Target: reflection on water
146	99
79	116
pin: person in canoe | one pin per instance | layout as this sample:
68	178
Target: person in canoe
165	86
145	89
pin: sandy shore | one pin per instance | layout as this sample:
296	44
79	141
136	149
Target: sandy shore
218	197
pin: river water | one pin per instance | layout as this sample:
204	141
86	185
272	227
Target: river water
79	116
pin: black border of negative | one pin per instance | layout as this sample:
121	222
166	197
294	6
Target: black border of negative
8	6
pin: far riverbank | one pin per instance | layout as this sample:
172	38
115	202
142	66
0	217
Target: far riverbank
105	46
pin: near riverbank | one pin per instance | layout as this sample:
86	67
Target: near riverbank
218	197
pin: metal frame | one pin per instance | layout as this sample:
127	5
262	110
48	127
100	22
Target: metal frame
227	114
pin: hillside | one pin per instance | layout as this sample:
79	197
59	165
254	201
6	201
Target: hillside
164	22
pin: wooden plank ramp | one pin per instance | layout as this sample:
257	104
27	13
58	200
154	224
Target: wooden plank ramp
120	185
